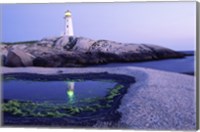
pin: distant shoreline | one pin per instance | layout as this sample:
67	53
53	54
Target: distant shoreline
188	53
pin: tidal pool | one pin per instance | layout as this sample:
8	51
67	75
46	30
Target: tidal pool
64	92
88	97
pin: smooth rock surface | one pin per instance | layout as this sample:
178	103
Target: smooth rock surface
18	58
83	44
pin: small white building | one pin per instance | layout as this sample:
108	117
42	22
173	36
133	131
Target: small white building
68	24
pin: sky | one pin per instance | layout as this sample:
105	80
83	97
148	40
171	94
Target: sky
168	24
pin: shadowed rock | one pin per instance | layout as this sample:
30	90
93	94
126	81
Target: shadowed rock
3	53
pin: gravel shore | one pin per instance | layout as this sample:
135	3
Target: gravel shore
158	99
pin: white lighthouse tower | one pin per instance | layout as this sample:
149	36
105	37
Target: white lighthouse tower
68	24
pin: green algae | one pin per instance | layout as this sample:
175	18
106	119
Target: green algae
7	78
46	109
114	92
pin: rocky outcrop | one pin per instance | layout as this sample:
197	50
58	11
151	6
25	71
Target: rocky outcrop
79	51
83	44
18	58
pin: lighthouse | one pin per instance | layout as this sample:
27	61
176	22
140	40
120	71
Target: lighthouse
68	24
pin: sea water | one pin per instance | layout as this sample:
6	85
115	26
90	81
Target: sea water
180	65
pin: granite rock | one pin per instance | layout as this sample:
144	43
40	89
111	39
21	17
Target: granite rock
18	58
79	51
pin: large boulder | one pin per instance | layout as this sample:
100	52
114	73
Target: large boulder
83	44
18	58
61	42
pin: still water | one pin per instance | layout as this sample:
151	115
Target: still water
182	65
55	91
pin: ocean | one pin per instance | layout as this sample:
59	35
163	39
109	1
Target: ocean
184	65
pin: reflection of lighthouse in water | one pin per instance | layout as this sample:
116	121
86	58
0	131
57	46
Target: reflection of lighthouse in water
70	91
